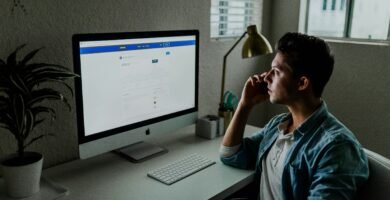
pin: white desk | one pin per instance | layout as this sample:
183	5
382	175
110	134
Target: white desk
111	177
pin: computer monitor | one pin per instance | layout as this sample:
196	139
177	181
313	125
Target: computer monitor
133	86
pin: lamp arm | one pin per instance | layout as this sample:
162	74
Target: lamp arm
224	68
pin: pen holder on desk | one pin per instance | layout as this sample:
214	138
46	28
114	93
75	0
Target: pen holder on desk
209	126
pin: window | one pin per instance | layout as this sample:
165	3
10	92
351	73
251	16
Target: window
229	18
360	19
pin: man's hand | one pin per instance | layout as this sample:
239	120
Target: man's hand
255	91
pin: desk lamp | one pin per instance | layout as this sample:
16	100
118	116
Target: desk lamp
256	44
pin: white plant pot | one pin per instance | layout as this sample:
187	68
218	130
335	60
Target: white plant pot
22	180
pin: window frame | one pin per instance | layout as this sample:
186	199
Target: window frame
303	26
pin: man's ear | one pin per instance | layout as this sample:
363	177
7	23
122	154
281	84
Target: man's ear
303	83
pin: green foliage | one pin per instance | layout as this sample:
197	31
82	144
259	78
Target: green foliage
23	93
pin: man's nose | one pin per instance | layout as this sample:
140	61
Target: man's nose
267	77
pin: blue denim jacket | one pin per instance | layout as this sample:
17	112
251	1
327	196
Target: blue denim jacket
325	162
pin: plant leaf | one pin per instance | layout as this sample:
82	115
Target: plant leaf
29	56
18	111
4	90
4	100
4	126
29	120
69	88
11	60
58	77
41	109
45	66
4	119
51	73
7	119
37	138
21	93
47	94
37	122
19	83
61	83
4	79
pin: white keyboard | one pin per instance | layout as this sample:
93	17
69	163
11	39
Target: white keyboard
180	169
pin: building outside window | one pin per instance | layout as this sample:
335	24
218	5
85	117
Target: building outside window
359	19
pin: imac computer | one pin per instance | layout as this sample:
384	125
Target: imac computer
133	86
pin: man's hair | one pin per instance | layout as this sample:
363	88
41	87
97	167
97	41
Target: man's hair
308	56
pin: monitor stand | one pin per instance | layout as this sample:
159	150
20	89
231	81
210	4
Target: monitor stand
140	151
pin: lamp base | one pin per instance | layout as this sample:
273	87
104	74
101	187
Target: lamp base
227	116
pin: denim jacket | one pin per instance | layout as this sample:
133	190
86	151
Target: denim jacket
325	162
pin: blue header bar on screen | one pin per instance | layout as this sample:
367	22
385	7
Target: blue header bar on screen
132	47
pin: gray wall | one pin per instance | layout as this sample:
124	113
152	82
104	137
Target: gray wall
359	90
357	93
51	23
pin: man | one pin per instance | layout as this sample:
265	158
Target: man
305	153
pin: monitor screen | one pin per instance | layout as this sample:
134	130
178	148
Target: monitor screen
133	85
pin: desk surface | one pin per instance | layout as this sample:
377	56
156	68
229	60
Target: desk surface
109	176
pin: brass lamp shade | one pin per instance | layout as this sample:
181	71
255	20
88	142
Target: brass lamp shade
256	44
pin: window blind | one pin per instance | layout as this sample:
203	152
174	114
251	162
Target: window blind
229	18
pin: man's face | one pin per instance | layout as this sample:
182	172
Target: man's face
282	87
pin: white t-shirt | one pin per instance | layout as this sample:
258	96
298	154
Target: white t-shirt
273	164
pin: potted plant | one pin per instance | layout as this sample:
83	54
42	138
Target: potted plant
24	90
